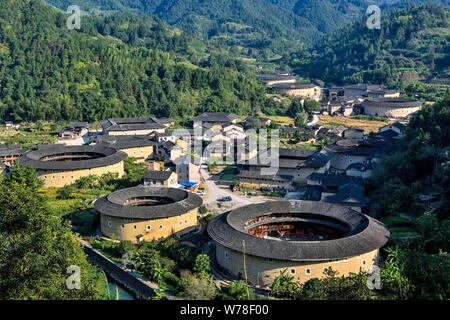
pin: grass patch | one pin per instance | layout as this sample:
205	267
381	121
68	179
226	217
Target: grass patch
368	125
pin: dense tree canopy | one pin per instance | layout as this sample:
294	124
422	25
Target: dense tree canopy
411	43
37	247
48	72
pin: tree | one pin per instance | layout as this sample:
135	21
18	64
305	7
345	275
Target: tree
300	120
284	286
238	290
202	210
296	107
333	287
202	265
150	263
36	266
395	285
197	288
311	105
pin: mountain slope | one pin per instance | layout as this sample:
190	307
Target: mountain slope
412	43
48	72
257	24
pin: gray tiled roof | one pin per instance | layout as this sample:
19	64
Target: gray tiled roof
364	233
107	156
334	180
124	142
115	204
391	103
274	77
252	175
348	194
158	175
358	147
12	150
130	124
293	86
216	117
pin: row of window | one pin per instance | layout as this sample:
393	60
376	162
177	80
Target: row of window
62	177
147	227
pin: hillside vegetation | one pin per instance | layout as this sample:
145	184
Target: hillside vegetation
114	66
252	27
413	43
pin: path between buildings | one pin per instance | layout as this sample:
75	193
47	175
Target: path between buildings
214	192
314	121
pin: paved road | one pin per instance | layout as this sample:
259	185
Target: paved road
314	121
214	192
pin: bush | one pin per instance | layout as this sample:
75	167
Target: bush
126	247
238	290
66	193
197	288
202	265
203	210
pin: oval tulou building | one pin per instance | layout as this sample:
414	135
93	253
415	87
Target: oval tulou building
59	165
302	238
147	213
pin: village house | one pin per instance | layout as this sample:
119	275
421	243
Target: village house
340	106
168	179
234	131
300	90
132	126
188	169
362	170
257	122
272	79
153	165
303	134
141	148
369	91
168	151
167	122
296	164
397	127
214	120
255	181
74	130
345	152
10	154
337	189
9	125
338	131
353	133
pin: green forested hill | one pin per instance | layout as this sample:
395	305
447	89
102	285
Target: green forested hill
413	43
254	24
48	72
278	25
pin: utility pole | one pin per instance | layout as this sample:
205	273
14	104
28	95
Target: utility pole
245	271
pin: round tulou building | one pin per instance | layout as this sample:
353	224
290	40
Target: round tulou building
390	107
147	213
59	165
301	238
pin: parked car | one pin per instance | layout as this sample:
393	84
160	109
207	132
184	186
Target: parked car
200	192
225	199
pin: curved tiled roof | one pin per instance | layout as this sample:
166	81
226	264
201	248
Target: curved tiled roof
364	233
392	103
358	147
125	142
180	202
104	156
293	86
